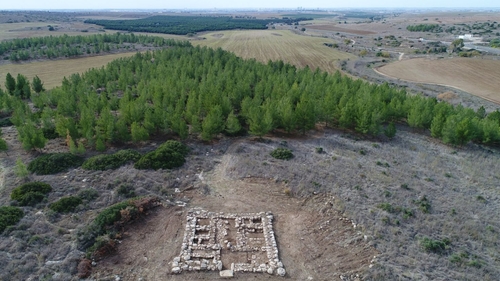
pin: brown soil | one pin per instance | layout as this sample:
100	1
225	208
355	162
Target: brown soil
314	239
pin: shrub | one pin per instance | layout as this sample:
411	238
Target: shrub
386	207
88	194
54	163
435	246
282	153
9	216
111	161
424	204
126	191
169	155
66	204
29	194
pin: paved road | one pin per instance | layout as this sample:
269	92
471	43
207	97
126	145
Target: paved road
481	48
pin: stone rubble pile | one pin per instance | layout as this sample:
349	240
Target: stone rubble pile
208	236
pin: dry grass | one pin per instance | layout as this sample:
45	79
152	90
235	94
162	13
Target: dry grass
52	72
476	76
265	45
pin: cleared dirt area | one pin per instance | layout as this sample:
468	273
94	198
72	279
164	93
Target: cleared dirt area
265	45
51	72
476	76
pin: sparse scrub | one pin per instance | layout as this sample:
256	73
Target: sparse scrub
54	163
282	153
30	194
66	204
111	161
169	155
9	216
423	204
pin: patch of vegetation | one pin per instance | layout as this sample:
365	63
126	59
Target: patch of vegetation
54	163
386	207
424	204
88	194
425	28
111	161
5	122
111	217
282	153
435	246
9	216
66	204
30	194
126	190
169	155
183	25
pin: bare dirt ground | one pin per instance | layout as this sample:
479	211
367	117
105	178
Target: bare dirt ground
313	240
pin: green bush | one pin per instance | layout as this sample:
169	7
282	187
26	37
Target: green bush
54	163
111	161
126	191
282	153
169	155
66	204
435	246
29	194
88	194
9	216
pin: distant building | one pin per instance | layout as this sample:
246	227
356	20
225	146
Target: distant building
466	37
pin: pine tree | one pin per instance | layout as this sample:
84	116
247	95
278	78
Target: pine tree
138	132
20	169
390	131
81	148
3	143
233	125
10	84
213	123
37	85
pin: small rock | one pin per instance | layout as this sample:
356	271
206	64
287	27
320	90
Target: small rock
219	265
226	273
270	270
281	271
176	270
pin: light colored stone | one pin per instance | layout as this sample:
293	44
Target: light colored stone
219	265
176	270
270	270
281	271
226	273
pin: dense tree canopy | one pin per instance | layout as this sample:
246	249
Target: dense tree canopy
205	92
183	25
50	47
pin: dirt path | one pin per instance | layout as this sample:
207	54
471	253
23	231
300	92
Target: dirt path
313	238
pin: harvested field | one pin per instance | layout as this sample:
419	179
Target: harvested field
285	45
53	71
476	76
340	29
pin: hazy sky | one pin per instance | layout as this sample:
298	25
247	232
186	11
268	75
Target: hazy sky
198	4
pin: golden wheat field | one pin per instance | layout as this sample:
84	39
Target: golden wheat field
51	72
480	77
265	45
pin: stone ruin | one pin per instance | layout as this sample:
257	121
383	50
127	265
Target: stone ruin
229	243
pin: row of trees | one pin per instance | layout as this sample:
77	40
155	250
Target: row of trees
425	28
205	92
183	25
50	47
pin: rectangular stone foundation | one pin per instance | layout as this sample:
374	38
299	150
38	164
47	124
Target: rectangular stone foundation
242	242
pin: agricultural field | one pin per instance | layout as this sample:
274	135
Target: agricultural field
476	76
265	45
51	72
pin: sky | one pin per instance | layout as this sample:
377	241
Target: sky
221	4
